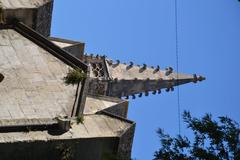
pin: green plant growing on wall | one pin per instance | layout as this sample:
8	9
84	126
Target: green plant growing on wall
65	151
74	76
80	119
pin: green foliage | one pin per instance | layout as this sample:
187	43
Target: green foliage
212	140
74	76
80	119
65	151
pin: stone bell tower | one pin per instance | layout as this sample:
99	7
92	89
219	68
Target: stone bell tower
41	117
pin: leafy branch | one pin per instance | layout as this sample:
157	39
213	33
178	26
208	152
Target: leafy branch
213	140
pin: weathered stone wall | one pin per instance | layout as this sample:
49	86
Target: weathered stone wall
43	19
120	109
38	18
24	15
125	143
76	50
97	87
74	149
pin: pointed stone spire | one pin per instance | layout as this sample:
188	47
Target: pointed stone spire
124	80
148	79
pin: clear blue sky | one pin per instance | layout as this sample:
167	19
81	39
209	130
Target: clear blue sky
142	31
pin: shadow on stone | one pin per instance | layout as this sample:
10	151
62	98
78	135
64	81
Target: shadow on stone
1	77
56	132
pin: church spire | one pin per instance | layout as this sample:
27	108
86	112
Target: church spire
124	80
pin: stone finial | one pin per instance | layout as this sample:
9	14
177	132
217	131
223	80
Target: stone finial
201	78
198	78
140	95
110	62
144	67
195	78
146	93
169	70
157	69
131	64
116	64
104	57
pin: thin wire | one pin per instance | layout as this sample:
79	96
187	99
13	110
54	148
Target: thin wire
177	65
